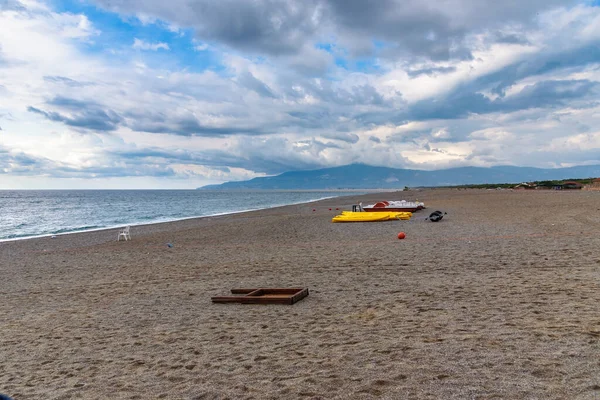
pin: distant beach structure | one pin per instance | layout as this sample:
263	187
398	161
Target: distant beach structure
594	186
572	185
559	185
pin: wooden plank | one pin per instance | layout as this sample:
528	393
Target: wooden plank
300	295
252	299
264	296
225	299
289	291
268	290
265	300
257	292
242	291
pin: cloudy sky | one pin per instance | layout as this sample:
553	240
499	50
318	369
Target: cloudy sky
182	93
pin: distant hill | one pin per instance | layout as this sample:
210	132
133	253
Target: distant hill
360	176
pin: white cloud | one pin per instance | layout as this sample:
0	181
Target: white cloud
143	45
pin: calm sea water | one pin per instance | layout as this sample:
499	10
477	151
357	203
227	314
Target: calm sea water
28	213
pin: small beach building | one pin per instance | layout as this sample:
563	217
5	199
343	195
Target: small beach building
572	185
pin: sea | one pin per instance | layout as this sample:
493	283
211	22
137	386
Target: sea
34	213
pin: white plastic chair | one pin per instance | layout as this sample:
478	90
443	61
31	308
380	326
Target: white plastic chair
124	233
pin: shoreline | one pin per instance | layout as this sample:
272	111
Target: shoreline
50	235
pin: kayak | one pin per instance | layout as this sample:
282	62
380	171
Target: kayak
348	216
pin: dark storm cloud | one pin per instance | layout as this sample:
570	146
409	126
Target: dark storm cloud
543	63
70	103
213	158
186	126
430	71
405	26
356	95
19	163
460	104
23	161
432	30
265	26
553	93
249	81
94	119
362	94
344	137
264	156
275	27
93	116
237	118
511	38
82	114
316	118
279	27
408	136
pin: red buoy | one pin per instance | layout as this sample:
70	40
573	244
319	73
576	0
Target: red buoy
401	235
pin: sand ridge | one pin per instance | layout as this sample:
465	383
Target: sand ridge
498	300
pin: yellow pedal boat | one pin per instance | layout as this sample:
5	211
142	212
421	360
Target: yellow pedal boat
396	214
349	216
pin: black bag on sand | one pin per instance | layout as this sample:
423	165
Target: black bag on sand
436	216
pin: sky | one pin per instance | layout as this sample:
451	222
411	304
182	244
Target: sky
183	93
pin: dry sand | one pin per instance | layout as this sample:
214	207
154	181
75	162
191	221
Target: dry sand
499	300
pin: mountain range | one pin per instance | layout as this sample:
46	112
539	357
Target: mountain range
361	176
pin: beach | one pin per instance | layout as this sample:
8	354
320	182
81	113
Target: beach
498	300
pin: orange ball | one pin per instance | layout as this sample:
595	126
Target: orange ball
401	235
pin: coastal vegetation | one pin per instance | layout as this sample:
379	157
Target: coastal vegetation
548	184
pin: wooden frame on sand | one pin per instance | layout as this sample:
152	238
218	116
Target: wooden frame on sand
264	296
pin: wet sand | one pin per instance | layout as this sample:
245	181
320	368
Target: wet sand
499	300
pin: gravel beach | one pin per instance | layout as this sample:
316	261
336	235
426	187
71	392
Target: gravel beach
499	300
